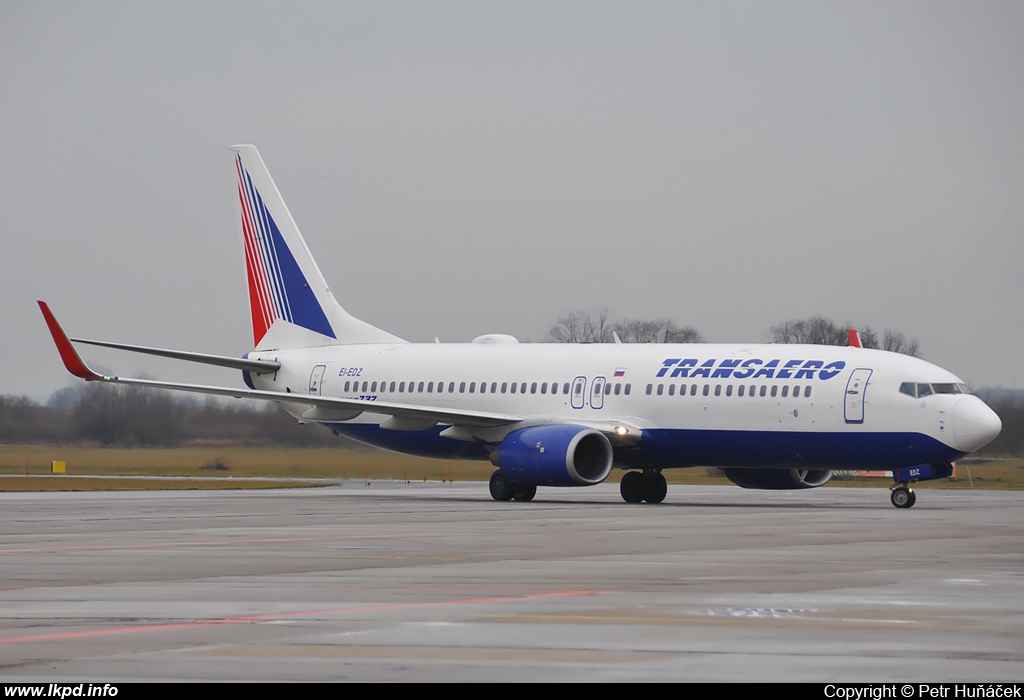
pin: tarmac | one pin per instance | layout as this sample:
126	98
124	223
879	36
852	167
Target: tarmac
436	582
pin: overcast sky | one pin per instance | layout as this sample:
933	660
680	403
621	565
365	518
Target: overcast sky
460	168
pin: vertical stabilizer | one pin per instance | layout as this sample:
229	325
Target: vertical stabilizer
290	302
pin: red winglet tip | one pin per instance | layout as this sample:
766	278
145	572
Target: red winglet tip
854	337
68	355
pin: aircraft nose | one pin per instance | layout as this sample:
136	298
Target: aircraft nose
974	424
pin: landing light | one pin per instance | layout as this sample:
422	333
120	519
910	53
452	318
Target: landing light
621	430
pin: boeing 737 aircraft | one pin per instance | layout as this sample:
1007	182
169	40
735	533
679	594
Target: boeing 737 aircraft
771	416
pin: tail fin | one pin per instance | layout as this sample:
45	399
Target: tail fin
290	302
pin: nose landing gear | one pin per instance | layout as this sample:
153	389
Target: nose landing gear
903	496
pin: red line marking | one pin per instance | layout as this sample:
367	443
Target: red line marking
251	619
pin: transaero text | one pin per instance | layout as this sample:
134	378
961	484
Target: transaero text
752	368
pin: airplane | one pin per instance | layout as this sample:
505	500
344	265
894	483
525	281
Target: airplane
770	416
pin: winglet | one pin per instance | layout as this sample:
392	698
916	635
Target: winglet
854	338
68	354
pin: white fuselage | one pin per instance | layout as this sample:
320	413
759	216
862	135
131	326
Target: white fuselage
728	405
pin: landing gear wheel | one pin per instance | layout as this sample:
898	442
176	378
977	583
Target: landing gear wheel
631	487
903	497
525	493
501	488
656	488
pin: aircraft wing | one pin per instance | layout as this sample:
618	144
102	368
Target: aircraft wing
324	408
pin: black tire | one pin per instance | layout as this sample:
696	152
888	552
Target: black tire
902	497
501	488
631	488
525	493
913	499
656	488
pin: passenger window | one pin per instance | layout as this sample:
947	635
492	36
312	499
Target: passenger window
462	387
608	389
764	389
671	389
451	387
430	388
618	388
626	390
775	390
472	387
739	391
728	390
533	388
693	390
718	389
544	388
420	389
373	387
650	388
504	387
661	389
707	389
807	392
796	392
785	391
513	387
565	388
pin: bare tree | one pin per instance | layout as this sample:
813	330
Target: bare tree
582	327
897	342
818	330
661	331
585	327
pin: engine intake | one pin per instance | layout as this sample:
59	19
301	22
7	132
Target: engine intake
779	479
554	455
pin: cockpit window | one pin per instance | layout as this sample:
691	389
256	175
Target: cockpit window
920	390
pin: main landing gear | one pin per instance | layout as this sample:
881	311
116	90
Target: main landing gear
902	496
504	490
649	485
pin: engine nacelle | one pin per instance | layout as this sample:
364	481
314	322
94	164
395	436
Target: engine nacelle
779	479
554	455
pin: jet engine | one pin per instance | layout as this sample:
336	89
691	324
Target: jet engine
779	479
554	455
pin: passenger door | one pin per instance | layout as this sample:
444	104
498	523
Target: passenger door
856	389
